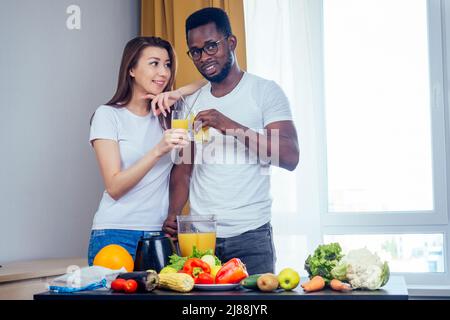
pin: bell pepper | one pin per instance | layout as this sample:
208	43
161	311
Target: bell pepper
204	278
195	266
231	272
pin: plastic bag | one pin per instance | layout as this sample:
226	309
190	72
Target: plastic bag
86	278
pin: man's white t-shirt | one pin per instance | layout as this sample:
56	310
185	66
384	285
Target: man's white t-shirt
223	181
145	206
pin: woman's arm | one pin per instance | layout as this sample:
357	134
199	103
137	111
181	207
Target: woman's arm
162	102
192	87
117	182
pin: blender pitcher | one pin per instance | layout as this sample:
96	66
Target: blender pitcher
198	231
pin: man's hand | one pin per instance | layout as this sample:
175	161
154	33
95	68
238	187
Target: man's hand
170	226
214	119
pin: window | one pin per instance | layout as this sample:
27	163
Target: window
384	141
365	79
377	97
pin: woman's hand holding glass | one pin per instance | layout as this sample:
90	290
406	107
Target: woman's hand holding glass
173	139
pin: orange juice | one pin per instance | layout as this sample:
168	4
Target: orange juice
191	119
180	124
202	135
202	241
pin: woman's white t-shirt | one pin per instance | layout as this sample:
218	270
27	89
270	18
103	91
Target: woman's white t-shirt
145	206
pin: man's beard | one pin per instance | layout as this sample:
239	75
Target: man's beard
224	72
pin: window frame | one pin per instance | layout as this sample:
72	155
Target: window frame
435	221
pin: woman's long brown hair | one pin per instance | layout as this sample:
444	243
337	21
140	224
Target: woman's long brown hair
130	57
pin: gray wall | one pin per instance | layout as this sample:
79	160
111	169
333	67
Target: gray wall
51	81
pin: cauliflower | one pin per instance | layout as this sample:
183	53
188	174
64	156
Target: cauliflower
362	269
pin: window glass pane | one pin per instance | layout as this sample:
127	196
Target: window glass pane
283	191
291	252
377	98
404	252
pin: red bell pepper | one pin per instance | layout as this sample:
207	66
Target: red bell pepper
231	272
195	266
204	278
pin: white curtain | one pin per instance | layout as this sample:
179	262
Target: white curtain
284	45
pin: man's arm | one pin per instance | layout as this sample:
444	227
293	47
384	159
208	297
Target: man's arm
287	144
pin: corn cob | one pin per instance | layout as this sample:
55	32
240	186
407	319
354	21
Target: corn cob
180	282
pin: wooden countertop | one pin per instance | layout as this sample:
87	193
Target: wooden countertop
24	270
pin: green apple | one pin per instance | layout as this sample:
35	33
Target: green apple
288	278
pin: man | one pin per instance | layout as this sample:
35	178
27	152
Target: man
236	107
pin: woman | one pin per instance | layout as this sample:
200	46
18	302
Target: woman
133	146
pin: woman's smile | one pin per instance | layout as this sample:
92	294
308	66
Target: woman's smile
160	83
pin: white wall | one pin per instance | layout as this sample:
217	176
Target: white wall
51	81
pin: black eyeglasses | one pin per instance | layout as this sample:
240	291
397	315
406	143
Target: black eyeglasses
210	49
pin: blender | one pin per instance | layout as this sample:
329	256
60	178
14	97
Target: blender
198	231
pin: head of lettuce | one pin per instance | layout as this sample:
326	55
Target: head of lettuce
325	258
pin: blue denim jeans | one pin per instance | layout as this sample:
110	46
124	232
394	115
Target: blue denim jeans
255	248
125	238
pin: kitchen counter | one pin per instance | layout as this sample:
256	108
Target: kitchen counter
24	270
395	289
21	280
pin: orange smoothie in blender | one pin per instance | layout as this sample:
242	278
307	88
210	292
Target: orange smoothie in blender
198	231
202	241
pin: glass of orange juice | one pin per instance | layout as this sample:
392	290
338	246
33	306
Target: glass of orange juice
180	117
202	135
198	231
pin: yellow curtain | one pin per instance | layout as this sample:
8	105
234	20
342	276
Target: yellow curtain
166	19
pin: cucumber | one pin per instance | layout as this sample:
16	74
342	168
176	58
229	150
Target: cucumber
250	282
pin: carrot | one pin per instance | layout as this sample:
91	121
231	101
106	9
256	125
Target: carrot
338	285
315	284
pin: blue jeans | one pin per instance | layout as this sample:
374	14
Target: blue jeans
255	248
125	238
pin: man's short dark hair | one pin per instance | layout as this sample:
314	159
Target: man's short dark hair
207	15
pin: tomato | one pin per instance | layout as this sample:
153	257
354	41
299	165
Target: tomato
118	284
131	286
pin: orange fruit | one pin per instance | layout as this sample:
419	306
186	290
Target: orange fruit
114	257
